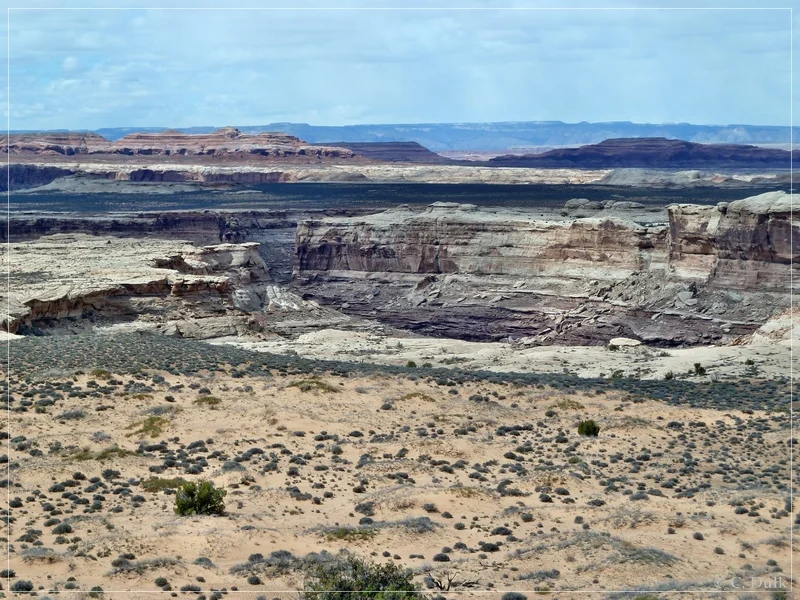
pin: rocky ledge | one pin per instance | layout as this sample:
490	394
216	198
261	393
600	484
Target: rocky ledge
70	282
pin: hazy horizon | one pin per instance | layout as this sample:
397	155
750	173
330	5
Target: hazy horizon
410	124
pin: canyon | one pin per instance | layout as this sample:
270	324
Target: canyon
707	275
198	236
686	275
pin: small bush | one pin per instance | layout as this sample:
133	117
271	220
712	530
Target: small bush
411	364
312	385
332	581
152	427
211	401
72	415
349	533
199	499
22	586
699	369
157	484
589	428
62	528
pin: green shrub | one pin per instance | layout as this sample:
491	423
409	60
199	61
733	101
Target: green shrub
411	364
343	580
588	428
100	374
699	369
199	499
158	484
211	401
313	384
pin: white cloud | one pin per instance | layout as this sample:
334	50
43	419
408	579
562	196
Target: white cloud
70	63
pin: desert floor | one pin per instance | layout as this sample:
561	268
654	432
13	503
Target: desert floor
483	481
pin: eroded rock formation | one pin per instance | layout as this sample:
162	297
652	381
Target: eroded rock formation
708	274
742	245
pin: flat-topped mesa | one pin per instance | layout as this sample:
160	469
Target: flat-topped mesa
746	244
53	143
654	153
227	141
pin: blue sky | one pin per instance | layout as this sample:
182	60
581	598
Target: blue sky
86	69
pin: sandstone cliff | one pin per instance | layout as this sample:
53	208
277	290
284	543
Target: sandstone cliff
746	244
79	281
458	270
459	238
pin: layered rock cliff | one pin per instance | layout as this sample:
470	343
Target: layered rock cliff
74	281
273	230
459	238
458	270
746	244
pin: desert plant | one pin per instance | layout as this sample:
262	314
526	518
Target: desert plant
352	578
699	369
589	428
211	401
199	499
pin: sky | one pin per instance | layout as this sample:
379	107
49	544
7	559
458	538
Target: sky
93	68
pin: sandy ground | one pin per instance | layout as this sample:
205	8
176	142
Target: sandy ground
771	356
424	461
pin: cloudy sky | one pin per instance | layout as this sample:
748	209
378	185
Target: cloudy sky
86	69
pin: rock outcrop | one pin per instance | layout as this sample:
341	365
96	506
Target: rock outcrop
75	281
273	230
742	245
709	274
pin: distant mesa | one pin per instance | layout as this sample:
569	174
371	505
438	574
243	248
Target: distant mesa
406	152
653	153
228	141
